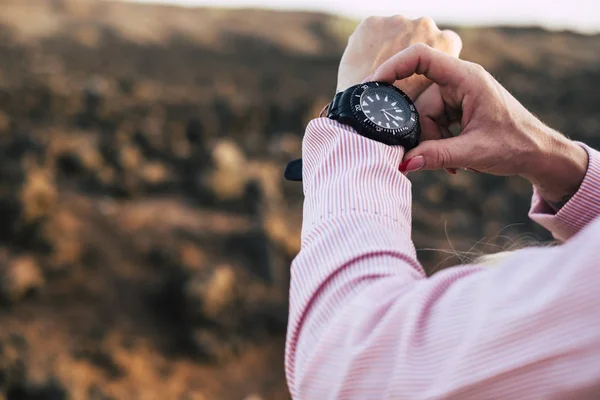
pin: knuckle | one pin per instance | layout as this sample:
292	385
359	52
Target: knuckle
450	34
421	48
443	157
426	23
399	19
478	69
371	21
451	37
442	41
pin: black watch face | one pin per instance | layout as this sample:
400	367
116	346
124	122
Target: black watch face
384	108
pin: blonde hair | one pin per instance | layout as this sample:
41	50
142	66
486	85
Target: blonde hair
479	253
491	260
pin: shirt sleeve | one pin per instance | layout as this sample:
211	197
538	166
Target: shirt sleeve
579	211
366	323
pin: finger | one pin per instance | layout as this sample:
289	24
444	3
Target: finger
444	133
455	152
414	86
430	102
431	113
424	60
430	130
430	105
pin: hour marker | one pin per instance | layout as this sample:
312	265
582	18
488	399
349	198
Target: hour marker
357	95
365	104
394	104
387	124
372	118
401	119
398	110
395	123
379	123
367	111
377	96
412	118
370	99
386	99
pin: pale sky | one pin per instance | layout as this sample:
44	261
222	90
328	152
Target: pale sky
580	15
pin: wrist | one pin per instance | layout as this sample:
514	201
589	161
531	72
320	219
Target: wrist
559	170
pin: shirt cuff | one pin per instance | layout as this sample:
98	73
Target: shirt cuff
579	211
346	173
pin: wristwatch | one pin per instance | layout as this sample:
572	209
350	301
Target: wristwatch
376	110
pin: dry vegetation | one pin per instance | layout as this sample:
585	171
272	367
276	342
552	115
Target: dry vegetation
146	231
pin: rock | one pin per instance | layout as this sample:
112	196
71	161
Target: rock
63	231
212	294
38	195
155	173
20	277
130	158
228	180
192	257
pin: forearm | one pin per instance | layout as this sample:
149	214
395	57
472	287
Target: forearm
356	230
582	207
557	168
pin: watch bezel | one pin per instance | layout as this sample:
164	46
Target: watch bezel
362	118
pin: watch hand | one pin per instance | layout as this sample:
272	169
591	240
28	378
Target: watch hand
385	115
393	116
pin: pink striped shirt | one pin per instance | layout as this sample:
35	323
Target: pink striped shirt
366	323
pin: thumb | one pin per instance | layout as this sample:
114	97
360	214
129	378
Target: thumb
453	152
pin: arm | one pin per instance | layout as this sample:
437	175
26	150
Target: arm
365	322
579	211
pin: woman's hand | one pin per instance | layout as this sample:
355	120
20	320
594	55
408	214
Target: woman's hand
498	135
377	39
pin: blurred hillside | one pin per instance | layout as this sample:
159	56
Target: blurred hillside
146	230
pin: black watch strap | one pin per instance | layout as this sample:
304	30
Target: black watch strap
339	109
333	111
293	171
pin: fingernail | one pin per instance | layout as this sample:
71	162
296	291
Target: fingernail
451	171
412	164
368	79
